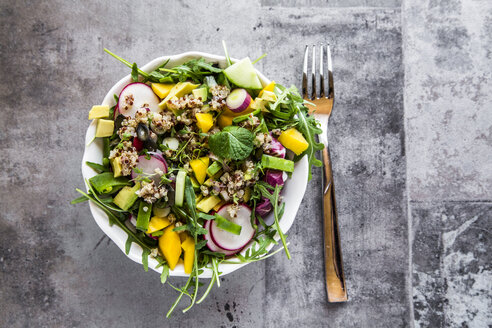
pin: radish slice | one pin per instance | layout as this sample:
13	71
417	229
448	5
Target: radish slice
135	96
138	144
213	246
227	240
171	143
148	166
238	100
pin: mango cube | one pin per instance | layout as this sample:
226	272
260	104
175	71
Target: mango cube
170	246
204	121
269	87
199	167
99	111
162	89
224	120
157	223
293	140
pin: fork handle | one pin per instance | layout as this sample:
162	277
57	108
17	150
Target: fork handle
335	278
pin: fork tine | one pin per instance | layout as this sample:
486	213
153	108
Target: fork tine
331	89
321	73
304	74
313	74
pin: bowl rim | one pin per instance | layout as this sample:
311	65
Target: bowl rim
93	150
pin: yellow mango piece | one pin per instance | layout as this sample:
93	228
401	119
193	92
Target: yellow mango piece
189	254
204	121
219	205
116	165
199	167
207	203
179	90
224	120
170	246
99	111
269	87
104	128
157	223
162	89
293	140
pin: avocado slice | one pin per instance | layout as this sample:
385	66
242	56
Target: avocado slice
206	204
116	165
127	197
201	93
104	128
99	111
179	90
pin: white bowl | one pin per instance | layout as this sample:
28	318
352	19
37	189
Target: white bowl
293	192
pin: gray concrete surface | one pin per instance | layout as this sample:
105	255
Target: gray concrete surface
411	143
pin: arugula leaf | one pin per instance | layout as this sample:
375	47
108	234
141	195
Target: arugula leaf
145	259
97	167
134	72
308	127
233	142
165	273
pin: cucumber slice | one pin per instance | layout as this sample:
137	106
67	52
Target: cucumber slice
180	188
277	163
243	74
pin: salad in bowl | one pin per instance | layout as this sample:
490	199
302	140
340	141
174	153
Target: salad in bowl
195	165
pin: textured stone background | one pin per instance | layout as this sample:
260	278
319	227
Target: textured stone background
411	142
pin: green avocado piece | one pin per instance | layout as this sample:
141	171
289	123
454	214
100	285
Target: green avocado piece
116	165
127	197
179	90
104	128
214	168
201	93
207	203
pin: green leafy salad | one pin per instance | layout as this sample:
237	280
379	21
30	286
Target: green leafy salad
194	160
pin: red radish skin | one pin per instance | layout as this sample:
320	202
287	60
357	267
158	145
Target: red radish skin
138	144
148	166
135	96
238	100
213	246
227	240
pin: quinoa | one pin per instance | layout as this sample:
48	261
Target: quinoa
128	156
232	210
263	141
161	123
219	95
251	123
151	193
185	102
142	116
232	185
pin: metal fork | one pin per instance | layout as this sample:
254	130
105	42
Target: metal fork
335	278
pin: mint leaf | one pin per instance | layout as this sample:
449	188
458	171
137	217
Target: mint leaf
232	143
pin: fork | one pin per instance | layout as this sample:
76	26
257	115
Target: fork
335	278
